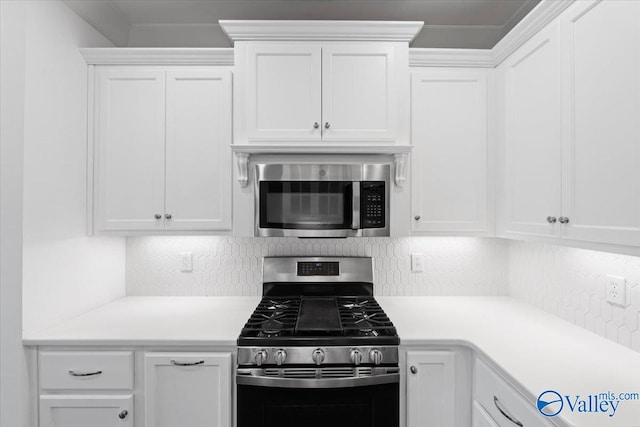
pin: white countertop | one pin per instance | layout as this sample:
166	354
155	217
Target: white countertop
535	350
171	321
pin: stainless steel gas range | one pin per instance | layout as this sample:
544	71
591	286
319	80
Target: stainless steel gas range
318	350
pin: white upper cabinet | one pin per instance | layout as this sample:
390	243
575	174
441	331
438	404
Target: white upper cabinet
162	158
198	154
129	148
358	93
449	159
533	136
601	176
571	152
305	92
284	93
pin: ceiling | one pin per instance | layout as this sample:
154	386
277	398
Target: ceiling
478	24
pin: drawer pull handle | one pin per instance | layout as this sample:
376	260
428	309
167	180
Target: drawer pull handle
505	413
173	362
84	374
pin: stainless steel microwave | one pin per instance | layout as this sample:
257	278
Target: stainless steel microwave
322	200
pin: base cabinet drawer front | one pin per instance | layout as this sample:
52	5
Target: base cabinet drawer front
188	389
481	418
81	370
431	380
502	402
86	411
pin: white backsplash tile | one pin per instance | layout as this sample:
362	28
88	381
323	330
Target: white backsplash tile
232	266
567	282
571	283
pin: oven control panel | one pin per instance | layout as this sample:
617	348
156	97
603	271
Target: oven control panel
318	268
372	205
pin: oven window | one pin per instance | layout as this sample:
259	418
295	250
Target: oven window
371	406
309	205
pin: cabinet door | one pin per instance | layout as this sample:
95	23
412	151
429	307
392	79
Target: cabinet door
198	156
449	160
481	418
601	175
86	410
533	137
358	93
188	389
431	389
283	93
130	142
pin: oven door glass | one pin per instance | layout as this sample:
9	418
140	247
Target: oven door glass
306	205
367	406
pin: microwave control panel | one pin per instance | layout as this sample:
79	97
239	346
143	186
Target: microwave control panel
372	205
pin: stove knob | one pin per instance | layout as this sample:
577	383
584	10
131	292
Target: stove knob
260	357
376	356
356	356
280	356
318	356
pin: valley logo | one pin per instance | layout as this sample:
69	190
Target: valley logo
550	403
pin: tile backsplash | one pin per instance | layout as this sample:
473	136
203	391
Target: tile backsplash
571	283
232	266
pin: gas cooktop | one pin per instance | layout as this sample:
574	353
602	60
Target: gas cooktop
318	320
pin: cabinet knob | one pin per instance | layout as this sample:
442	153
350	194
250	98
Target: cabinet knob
417	217
316	125
563	220
551	219
168	216
123	414
157	216
327	125
413	370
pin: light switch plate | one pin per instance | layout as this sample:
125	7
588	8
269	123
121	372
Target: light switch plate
616	290
186	262
417	262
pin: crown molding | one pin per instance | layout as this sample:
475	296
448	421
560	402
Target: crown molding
545	12
397	31
158	56
482	58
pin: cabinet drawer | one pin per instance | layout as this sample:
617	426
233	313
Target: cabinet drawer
77	370
502	401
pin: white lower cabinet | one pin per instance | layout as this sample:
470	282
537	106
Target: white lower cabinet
187	389
86	388
438	388
86	410
481	418
497	403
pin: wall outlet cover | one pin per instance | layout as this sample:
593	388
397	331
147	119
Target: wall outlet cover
417	262
186	262
616	290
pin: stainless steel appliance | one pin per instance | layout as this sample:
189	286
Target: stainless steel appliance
322	200
318	350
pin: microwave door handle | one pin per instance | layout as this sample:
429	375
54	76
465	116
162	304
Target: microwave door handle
355	221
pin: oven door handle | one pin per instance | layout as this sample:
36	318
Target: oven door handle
269	381
355	221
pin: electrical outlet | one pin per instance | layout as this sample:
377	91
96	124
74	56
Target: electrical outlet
417	262
187	262
617	290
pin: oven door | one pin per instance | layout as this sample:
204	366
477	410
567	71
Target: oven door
274	400
308	208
